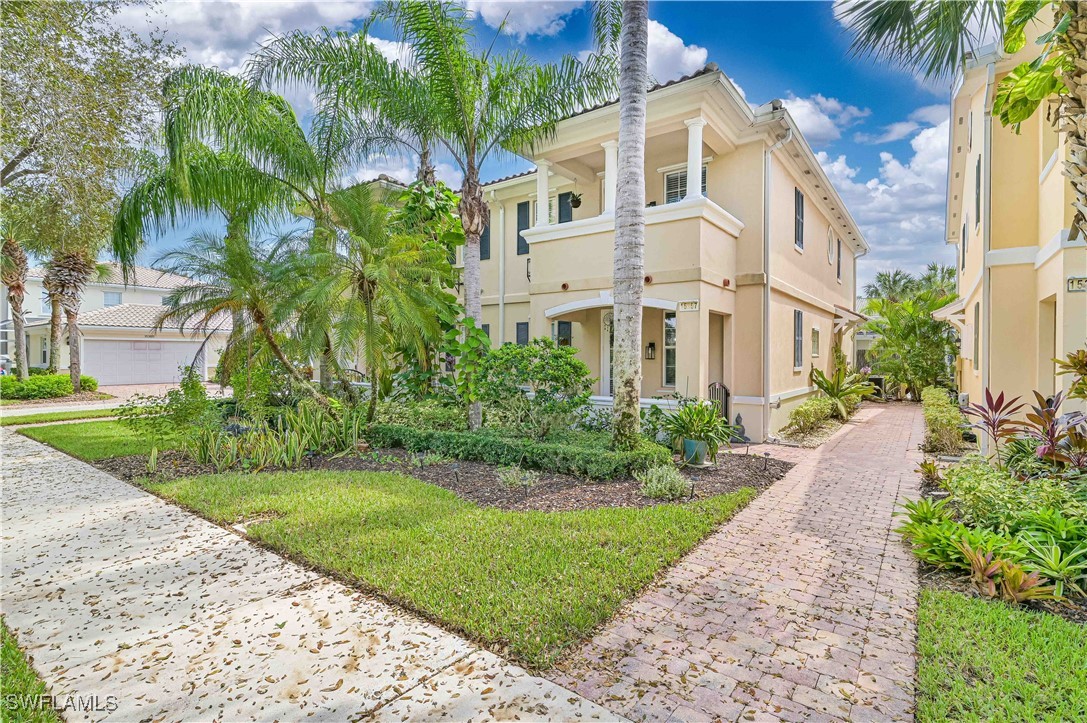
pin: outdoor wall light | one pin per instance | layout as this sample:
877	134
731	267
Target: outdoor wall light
651	350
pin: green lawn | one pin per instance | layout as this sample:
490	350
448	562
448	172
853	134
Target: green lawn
981	660
20	684
7	421
537	582
94	440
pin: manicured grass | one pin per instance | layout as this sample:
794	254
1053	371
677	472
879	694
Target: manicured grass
981	660
7	421
21	686
95	440
533	581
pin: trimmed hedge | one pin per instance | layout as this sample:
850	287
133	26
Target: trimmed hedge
943	422
810	415
43	386
486	446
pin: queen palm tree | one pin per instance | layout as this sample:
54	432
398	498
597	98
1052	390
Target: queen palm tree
479	104
894	285
629	271
935	38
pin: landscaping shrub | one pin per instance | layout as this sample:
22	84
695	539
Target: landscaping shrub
663	483
810	415
425	414
943	422
43	386
594	461
534	388
840	387
179	412
987	497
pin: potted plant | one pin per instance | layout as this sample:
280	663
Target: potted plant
701	429
575	200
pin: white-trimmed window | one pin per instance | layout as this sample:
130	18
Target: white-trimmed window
45	351
47	305
814	343
675	185
669	348
838	254
798	339
552	209
111	298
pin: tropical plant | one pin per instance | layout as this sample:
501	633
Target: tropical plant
944	422
699	422
929	471
535	388
1075	363
911	347
71	270
995	418
517	478
1049	428
810	415
471	104
1019	586
839	387
1067	569
985	568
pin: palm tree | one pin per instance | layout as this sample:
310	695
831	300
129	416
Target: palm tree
480	104
56	315
894	285
939	279
13	269
629	272
385	289
935	38
249	282
71	269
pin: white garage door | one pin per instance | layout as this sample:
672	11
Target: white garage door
138	361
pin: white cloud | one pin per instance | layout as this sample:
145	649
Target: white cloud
823	119
669	56
403	169
929	115
901	212
524	17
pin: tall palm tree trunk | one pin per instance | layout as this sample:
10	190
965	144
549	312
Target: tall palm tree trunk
629	273
55	321
262	325
75	358
14	268
473	211
71	270
1073	119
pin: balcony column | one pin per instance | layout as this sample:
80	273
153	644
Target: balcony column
611	163
543	182
694	157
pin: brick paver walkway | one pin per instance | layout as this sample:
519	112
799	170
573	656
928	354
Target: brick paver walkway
801	608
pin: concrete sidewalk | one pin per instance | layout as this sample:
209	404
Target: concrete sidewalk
162	615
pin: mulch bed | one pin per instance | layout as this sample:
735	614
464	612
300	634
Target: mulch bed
478	482
81	398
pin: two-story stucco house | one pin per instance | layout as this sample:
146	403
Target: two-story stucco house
1022	280
116	322
750	272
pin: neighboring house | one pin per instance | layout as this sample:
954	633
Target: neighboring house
1022	280
119	343
749	273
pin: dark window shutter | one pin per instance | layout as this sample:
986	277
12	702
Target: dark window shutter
487	330
566	211
798	338
798	200
565	333
485	243
524	211
522	333
838	252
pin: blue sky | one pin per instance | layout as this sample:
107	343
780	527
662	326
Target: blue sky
879	132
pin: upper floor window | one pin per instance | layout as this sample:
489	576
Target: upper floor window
977	192
798	222
111	298
798	339
47	303
524	220
485	242
839	254
675	185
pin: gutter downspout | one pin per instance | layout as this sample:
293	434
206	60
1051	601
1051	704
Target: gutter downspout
766	187
501	269
987	232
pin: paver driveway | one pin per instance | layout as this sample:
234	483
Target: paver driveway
126	601
801	608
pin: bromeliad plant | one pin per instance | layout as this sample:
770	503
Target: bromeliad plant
840	386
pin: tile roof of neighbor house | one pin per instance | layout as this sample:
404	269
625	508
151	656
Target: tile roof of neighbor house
140	276
138	316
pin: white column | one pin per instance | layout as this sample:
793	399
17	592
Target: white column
543	170
694	156
611	163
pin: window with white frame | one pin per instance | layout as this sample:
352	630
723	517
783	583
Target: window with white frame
838	254
814	342
669	348
45	350
675	185
111	298
47	304
798	339
552	206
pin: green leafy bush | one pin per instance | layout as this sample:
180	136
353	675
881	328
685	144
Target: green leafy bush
424	414
177	414
594	461
840	387
987	497
943	422
534	388
518	478
810	415
663	483
43	386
